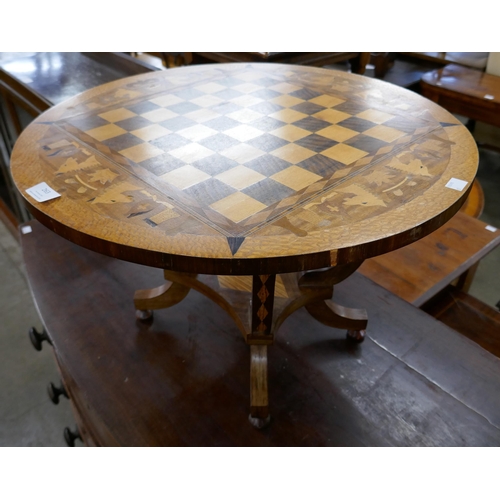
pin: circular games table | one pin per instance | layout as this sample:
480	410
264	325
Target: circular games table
238	179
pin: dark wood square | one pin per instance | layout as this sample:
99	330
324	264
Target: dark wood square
267	142
357	124
142	107
321	165
266	94
170	142
266	108
230	81
268	191
267	124
88	122
311	124
309	108
178	123
228	94
222	123
306	94
215	164
162	164
133	123
183	108
188	94
123	141
209	191
366	143
316	143
268	164
219	142
225	108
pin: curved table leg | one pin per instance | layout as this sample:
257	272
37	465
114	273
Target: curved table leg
331	314
161	297
328	312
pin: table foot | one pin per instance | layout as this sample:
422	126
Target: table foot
144	314
259	423
356	335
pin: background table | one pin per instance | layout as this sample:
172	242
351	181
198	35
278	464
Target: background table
248	169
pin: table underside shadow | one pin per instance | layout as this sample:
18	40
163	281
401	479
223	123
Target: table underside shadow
259	305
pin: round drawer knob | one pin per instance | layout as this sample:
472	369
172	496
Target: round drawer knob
37	338
55	392
71	436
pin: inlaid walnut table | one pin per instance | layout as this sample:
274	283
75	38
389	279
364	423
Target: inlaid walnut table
238	179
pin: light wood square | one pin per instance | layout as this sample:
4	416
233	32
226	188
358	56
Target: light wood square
151	132
251	76
242	153
205	101
296	178
328	101
375	116
337	133
386	134
238	206
191	152
245	115
344	153
247	88
285	88
290	133
293	153
240	177
331	115
141	152
197	132
246	100
116	115
288	115
243	133
106	132
185	177
202	115
210	88
287	101
159	115
166	100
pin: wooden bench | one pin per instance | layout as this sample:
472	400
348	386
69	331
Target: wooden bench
183	380
465	91
419	271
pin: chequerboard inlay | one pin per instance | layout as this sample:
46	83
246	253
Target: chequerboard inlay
245	152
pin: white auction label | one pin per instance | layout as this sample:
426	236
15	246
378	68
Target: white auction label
26	229
491	228
42	192
456	184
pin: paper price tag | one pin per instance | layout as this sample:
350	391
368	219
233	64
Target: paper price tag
491	228
42	192
26	229
456	184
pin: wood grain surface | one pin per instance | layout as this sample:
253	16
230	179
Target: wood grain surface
245	168
183	380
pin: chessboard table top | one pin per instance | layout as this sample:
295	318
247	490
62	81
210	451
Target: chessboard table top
246	168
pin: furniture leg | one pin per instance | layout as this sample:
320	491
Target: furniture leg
259	403
336	316
162	297
328	312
